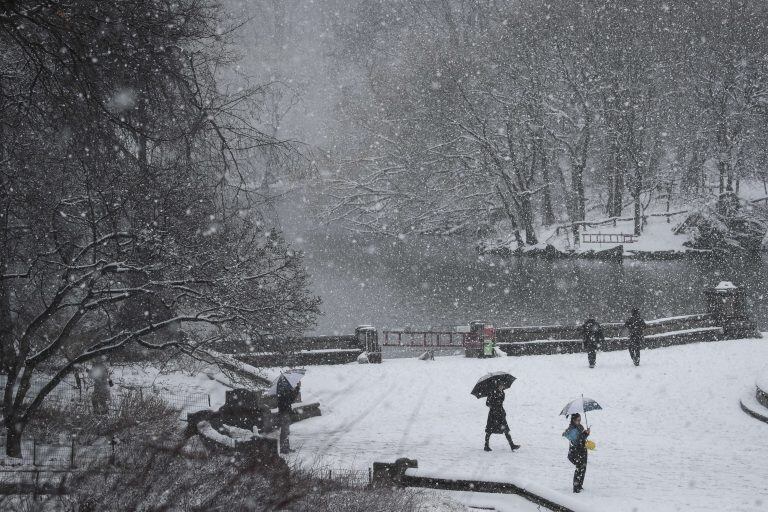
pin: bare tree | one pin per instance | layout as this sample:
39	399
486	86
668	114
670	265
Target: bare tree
129	217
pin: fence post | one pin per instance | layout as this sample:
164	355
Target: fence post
72	455
209	400
35	485
34	451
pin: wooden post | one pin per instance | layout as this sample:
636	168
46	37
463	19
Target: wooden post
72	455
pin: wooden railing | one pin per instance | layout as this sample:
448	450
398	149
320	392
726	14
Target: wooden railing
608	238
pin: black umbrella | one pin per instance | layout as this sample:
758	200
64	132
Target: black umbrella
491	381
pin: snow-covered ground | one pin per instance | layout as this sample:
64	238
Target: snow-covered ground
671	436
474	501
658	235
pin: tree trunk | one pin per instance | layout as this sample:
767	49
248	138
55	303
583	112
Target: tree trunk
526	217
567	194
616	193
616	182
722	164
7	354
548	213
577	185
637	191
580	167
13	432
507	208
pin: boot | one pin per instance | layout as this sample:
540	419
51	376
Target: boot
487	439
512	443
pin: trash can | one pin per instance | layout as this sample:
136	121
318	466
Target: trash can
488	347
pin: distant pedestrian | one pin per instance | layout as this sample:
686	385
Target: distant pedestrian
593	336
286	396
497	418
577	451
101	396
636	327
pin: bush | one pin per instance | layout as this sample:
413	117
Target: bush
164	479
134	414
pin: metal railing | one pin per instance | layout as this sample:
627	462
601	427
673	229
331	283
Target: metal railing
398	338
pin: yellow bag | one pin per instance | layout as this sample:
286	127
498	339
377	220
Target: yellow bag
590	444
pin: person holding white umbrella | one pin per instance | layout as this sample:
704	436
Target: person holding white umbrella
577	450
287	388
577	437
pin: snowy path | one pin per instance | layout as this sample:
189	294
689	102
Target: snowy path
671	438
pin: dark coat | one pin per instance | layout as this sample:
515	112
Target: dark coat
497	416
577	451
636	327
592	333
285	398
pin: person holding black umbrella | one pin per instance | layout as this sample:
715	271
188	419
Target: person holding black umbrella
577	450
491	387
497	418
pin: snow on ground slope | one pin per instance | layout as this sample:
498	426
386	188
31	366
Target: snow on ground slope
658	235
474	501
671	436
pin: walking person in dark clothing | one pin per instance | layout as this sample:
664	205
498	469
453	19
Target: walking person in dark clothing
636	327
497	418
286	395
577	451
593	336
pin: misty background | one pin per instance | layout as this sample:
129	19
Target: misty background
342	71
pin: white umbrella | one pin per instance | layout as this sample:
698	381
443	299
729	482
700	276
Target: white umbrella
293	376
580	406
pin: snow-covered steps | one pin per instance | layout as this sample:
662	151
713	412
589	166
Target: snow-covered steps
751	406
406	473
755	403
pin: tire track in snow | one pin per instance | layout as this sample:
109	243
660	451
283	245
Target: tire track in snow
343	392
412	417
345	427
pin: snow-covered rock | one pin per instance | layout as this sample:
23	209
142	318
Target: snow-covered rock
206	430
